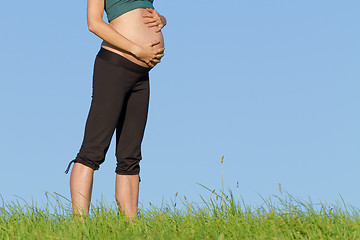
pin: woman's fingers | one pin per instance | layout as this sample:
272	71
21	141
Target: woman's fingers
155	24
160	50
160	26
154	43
154	55
149	19
159	54
148	16
158	57
152	20
155	60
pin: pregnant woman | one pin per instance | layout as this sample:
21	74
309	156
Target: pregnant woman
133	44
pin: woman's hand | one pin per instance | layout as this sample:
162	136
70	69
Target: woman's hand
154	19
148	54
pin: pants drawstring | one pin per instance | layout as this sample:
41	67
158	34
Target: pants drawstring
67	170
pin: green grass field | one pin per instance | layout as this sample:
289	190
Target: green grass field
219	217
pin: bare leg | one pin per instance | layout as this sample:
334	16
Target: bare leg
127	194
81	182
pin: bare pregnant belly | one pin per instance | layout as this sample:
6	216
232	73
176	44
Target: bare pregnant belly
131	25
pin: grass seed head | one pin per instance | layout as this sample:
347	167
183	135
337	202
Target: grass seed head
280	187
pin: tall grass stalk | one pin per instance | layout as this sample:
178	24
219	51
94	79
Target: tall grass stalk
222	181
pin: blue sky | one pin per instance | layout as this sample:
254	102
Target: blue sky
271	85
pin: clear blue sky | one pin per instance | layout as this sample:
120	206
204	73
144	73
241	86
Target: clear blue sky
271	85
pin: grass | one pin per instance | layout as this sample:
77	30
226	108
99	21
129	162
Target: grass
218	217
215	219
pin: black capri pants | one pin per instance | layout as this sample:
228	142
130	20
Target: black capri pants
120	101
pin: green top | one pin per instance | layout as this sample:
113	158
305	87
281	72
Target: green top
115	8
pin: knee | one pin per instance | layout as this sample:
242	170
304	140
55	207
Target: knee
91	160
128	167
84	162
